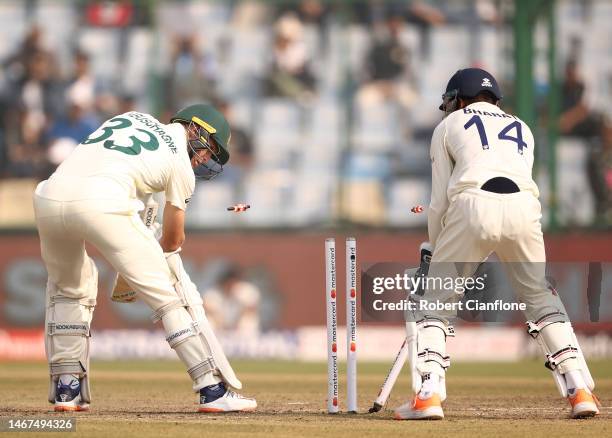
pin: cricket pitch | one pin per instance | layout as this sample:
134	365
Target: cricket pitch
154	399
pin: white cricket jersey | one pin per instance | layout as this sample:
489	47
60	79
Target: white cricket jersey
129	156
471	146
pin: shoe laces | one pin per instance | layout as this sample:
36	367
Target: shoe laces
232	394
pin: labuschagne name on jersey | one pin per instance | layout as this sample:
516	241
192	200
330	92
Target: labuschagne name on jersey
155	127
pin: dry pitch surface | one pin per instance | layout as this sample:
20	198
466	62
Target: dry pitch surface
153	399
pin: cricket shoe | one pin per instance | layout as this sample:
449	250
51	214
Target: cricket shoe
584	404
217	398
425	406
68	395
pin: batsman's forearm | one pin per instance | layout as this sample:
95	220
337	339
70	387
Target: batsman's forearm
173	228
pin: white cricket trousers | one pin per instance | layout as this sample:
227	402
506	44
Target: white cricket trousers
478	223
121	237
114	227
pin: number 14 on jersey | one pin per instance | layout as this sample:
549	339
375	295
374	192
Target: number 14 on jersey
504	134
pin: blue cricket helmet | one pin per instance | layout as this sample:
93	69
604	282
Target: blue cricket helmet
468	82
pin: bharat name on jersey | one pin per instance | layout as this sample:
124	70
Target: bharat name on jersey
128	156
480	142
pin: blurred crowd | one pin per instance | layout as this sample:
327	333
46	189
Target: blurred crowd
46	114
362	78
577	119
39	108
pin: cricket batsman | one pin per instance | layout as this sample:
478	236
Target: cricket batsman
485	200
95	196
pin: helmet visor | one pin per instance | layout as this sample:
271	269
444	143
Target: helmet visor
208	170
449	101
201	139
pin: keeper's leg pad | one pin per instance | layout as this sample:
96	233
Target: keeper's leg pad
67	321
192	300
431	345
555	336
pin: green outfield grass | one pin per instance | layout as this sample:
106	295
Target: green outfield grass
153	399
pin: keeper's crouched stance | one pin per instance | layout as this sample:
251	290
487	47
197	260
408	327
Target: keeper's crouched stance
484	200
95	196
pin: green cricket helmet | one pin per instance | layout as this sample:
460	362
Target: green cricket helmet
207	122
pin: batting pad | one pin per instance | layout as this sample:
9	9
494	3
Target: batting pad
67	336
192	302
182	335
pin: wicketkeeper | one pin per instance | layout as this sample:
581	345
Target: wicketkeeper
485	200
95	196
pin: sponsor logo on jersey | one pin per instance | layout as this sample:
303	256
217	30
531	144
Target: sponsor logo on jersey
187	201
486	82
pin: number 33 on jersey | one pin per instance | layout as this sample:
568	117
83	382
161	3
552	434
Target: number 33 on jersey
135	154
116	126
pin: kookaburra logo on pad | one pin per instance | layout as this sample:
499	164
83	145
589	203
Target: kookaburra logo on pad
486	82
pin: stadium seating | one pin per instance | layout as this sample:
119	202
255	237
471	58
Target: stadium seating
307	152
